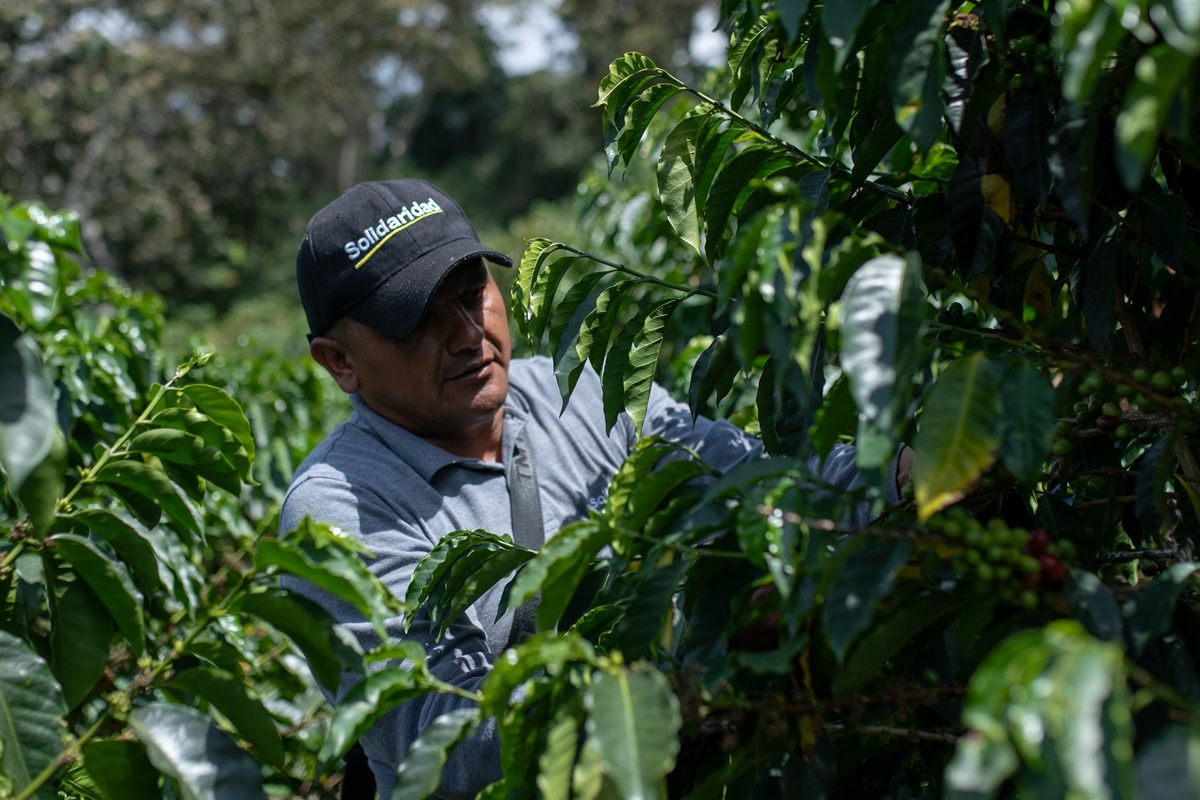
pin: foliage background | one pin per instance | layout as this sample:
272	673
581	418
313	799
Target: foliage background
966	226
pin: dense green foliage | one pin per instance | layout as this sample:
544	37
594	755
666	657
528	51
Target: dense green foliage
194	139
966	227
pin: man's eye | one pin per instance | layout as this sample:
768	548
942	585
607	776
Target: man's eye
473	296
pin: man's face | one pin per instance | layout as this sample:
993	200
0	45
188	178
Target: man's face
449	377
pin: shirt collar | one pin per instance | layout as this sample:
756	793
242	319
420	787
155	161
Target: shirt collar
426	459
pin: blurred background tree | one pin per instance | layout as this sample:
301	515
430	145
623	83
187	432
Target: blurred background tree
195	138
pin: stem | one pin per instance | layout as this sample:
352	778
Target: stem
687	290
831	165
1171	554
63	758
938	737
90	475
123	698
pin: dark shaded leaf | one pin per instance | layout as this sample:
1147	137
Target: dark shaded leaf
121	769
860	582
227	693
1028	400
110	581
80	632
150	483
309	626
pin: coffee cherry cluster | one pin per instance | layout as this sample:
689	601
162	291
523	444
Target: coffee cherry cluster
1026	56
958	317
1011	562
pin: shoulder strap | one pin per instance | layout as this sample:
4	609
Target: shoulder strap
528	526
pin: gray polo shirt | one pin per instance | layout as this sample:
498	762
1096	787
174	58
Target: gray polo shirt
399	494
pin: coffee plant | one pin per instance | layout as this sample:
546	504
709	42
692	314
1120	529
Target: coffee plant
965	227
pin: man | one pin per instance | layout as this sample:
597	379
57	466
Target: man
407	319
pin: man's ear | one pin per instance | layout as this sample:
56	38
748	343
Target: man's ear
335	358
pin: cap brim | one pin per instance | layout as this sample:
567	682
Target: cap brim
397	306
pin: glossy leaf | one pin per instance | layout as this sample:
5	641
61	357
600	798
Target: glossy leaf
546	653
365	703
27	422
471	573
617	365
153	485
621	70
676	168
129	544
185	745
639	116
633	722
31	709
188	449
109	579
916	70
713	375
421	771
643	362
962	433
537	251
309	626
339	571
557	761
882	316
433	568
217	404
555	571
542	293
737	179
227	693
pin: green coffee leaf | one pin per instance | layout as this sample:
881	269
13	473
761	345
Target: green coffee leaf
121	769
111	582
227	693
960	442
633	721
182	448
365	703
27	421
861	581
421	771
188	747
129	544
81	629
309	626
32	735
155	487
555	571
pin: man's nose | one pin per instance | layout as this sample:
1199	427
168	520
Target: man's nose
465	328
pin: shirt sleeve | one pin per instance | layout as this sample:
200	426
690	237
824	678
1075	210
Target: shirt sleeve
461	657
723	446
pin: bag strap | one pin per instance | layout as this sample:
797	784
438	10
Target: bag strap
529	529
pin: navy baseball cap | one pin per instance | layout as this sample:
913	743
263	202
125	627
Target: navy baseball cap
379	252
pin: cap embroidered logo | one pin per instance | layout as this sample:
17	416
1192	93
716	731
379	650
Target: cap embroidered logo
374	237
